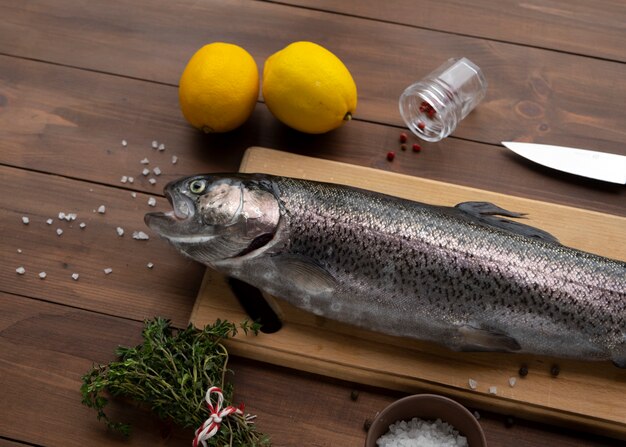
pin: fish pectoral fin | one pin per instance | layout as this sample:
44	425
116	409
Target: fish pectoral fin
257	306
488	214
305	274
472	339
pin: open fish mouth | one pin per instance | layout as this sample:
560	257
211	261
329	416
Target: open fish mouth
176	228
170	223
161	222
182	206
151	218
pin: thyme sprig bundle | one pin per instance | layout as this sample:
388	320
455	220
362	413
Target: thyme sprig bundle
170	372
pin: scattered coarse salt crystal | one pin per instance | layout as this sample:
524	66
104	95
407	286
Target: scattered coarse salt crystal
477	415
75	276
493	390
149	265
131	179
133	194
61	215
19	250
124	179
20	270
25	220
512	381
161	147
102	209
472	384
152	181
145	161
59	231
42	275
140	236
108	271
157	171
174	159
155	144
124	143
152	201
120	231
71	216
82	225
49	221
145	171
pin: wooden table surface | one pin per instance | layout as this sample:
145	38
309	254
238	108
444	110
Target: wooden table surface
78	77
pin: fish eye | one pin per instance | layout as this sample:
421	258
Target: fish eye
197	186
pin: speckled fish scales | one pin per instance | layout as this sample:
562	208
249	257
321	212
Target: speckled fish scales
466	276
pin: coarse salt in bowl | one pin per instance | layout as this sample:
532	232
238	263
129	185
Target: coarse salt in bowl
439	412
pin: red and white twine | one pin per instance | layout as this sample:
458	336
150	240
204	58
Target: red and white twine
211	426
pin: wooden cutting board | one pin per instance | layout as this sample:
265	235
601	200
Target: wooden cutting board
586	395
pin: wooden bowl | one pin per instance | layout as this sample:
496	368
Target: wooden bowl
427	407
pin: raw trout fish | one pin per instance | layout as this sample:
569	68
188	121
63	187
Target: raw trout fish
464	276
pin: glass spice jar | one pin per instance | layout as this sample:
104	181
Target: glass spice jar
434	106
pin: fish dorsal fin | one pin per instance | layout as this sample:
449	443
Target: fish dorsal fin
259	307
488	214
305	273
472	339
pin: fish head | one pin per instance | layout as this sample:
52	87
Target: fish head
216	217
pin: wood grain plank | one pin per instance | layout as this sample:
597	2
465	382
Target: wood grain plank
9	443
47	347
534	94
318	345
131	291
325	405
575	26
71	122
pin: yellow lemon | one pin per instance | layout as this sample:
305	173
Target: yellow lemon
219	87
308	88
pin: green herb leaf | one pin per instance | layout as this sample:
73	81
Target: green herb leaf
171	372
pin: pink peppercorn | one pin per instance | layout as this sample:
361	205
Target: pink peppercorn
391	155
403	137
416	147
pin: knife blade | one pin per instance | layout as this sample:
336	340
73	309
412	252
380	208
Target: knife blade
592	164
